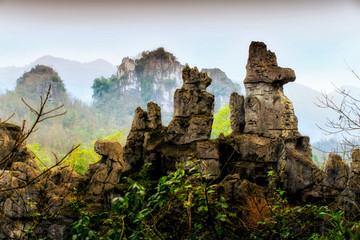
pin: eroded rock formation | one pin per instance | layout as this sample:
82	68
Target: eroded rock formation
105	174
193	109
264	131
264	151
29	196
268	111
27	192
186	136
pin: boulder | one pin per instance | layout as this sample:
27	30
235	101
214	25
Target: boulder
336	176
105	174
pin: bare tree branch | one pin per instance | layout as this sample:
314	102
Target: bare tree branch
347	106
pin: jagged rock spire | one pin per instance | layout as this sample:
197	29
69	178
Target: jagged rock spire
193	109
268	112
262	66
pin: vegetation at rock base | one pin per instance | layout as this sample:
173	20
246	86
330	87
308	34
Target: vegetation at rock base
182	200
173	207
187	205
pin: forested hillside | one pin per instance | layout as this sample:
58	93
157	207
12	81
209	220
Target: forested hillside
80	125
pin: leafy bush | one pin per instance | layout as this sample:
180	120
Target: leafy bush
183	203
81	158
304	222
41	156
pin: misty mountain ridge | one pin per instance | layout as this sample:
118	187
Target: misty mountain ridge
78	78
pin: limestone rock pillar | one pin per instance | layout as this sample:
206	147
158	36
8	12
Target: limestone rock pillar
193	109
268	112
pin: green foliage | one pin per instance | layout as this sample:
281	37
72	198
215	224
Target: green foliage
303	222
221	122
119	136
174	206
81	158
42	157
103	86
55	79
147	90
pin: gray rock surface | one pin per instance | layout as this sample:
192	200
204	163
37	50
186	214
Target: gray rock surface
193	109
105	174
237	113
268	111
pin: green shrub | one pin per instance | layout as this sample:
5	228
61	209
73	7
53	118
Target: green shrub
183	203
304	222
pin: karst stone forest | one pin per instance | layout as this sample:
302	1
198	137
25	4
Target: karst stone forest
176	182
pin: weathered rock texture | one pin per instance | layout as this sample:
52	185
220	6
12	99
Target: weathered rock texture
105	174
167	147
193	109
264	139
335	176
26	193
264	131
268	111
237	117
32	199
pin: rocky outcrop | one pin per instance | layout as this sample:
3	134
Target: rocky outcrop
264	135
268	111
143	136
26	192
186	136
221	86
36	83
193	109
336	176
105	174
41	201
264	129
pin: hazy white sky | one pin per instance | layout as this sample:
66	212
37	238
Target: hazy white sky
312	37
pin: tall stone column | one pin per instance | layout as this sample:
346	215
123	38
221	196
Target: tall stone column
268	112
193	109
